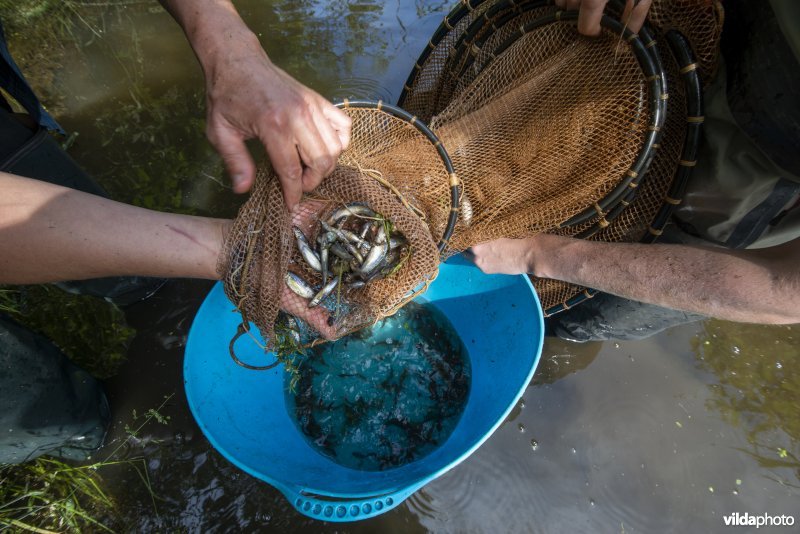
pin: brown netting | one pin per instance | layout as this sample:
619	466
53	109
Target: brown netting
634	221
542	125
261	247
518	150
700	21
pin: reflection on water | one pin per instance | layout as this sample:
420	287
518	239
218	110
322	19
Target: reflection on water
663	435
758	388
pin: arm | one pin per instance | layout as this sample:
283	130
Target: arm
759	286
50	233
249	97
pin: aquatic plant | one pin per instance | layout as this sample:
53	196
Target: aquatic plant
757	389
91	332
47	495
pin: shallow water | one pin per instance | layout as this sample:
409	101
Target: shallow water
385	396
664	435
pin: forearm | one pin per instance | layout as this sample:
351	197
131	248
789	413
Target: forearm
760	286
50	233
215	31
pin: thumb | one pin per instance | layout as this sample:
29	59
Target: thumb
238	161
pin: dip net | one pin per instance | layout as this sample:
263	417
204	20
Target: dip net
533	128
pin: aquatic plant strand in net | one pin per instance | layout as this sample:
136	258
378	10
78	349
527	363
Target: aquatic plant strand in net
548	131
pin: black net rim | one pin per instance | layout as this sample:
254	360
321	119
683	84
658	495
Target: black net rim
403	115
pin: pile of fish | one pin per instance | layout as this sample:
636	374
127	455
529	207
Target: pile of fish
354	247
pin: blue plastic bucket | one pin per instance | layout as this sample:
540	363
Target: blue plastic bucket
243	412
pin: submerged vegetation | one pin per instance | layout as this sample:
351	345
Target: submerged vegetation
49	495
90	331
50	39
758	388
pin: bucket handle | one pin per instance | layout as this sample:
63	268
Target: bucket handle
345	509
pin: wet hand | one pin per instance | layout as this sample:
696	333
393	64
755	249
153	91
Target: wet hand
249	97
591	11
503	256
303	216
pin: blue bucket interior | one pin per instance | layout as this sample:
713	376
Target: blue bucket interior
243	412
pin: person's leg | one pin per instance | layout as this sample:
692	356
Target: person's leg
49	406
608	317
34	153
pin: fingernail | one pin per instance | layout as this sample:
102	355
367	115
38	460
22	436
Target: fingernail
237	179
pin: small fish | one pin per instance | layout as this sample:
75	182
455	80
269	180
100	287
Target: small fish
339	251
323	259
354	252
350	209
298	285
306	251
380	236
374	258
344	235
397	241
366	229
466	210
294	329
357	284
324	292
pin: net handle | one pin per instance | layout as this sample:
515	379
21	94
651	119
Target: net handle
403	115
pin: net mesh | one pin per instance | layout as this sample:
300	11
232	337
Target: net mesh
542	124
261	247
516	147
700	21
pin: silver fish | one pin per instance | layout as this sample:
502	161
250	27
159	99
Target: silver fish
350	209
339	251
354	252
380	236
324	292
323	259
294	329
397	241
367	228
298	285
342	234
306	251
374	258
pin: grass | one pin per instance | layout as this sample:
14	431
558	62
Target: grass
49	495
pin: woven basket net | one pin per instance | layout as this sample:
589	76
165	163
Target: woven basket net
540	128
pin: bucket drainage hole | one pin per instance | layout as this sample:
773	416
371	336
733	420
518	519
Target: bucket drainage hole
341	511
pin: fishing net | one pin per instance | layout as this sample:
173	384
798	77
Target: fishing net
682	40
412	190
533	128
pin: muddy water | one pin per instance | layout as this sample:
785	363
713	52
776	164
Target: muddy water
664	435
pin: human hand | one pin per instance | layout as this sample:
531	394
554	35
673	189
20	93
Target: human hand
504	256
591	11
249	97
303	216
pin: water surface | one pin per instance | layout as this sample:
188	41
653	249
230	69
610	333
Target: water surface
663	435
385	396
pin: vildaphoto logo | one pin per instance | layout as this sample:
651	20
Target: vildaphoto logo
762	520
